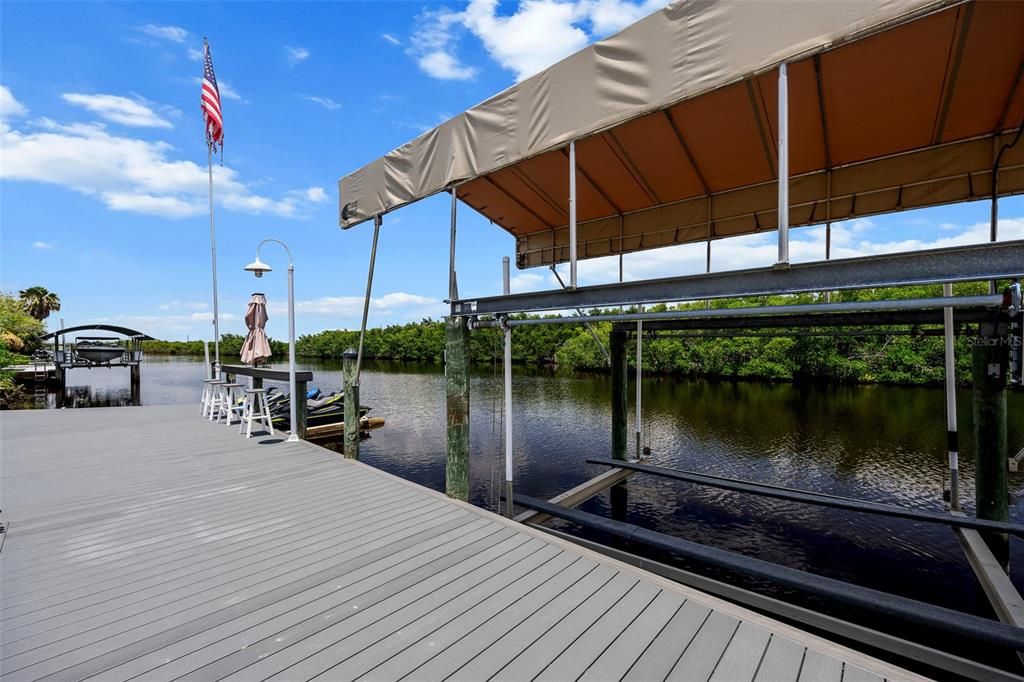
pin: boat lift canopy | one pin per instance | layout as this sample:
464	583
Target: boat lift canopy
892	105
123	331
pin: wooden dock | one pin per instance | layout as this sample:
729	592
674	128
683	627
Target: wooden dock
148	543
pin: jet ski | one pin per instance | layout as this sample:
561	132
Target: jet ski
321	410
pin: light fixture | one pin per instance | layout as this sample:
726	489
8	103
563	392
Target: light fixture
257	267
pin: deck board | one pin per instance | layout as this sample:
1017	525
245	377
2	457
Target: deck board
147	543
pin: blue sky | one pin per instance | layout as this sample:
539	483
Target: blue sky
103	172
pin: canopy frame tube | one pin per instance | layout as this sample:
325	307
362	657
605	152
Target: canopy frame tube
572	215
377	221
783	166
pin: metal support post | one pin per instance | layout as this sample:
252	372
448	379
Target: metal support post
993	225
377	220
507	361
828	224
572	215
298	425
783	166
952	446
453	288
639	383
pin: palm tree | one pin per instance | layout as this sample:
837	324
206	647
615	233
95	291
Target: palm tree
39	302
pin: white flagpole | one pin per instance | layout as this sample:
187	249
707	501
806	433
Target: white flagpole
213	259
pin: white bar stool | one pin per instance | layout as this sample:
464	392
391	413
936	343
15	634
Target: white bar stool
211	397
232	402
255	408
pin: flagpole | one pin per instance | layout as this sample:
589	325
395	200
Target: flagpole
213	260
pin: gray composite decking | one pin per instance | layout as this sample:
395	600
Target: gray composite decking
147	543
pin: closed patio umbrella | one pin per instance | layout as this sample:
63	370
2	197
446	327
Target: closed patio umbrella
256	346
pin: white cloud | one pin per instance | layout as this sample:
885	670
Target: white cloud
197	325
390	38
119	109
434	45
195	54
325	102
296	54
398	305
42	246
150	204
9	106
184	305
444	66
316	194
130	174
538	34
529	281
226	91
609	16
173	33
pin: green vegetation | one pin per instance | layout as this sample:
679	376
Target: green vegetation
39	302
893	359
230	346
20	334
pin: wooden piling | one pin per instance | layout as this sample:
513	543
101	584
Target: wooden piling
136	383
301	409
990	362
620	380
349	370
456	371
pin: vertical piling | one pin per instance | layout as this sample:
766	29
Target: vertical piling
301	409
990	359
135	378
620	369
456	372
349	360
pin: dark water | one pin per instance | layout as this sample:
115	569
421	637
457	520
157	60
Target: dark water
868	442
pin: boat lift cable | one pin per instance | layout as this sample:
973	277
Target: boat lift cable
604	351
967	626
820	499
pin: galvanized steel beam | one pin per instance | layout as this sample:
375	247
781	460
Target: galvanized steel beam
959	264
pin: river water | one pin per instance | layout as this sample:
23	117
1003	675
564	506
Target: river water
869	442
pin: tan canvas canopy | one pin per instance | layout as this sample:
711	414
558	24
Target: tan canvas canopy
893	104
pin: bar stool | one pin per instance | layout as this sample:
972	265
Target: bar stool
231	396
211	396
255	408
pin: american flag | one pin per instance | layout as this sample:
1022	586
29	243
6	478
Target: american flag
210	102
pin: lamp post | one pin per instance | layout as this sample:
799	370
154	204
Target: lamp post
257	267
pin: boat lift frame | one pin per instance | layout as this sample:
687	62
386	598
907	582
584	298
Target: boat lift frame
989	262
